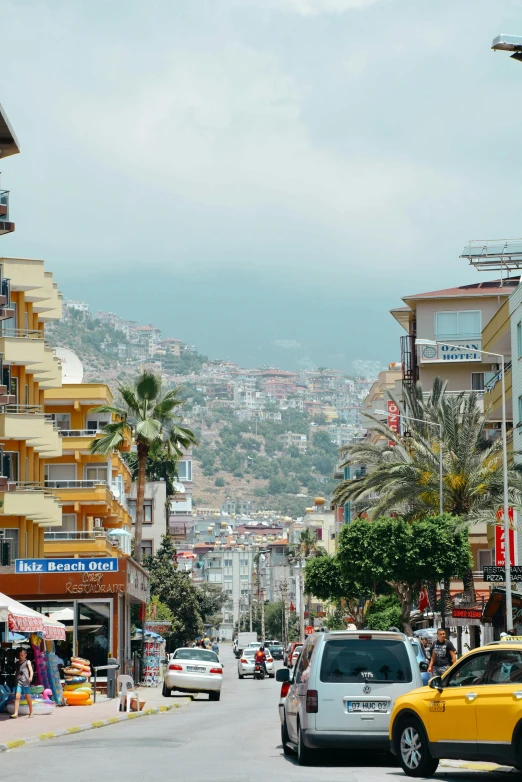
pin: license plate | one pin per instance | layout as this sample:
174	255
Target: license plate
196	669
380	706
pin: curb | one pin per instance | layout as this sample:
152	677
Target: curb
477	766
91	726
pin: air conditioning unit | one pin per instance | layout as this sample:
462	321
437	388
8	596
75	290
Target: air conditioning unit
97	523
495	367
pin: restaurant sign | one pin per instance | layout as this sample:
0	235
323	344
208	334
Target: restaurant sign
81	565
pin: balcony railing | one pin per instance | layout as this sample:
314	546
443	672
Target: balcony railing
23	409
59	484
490	385
95	534
78	432
21	333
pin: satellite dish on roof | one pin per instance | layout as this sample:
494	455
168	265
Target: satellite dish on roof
72	367
179	487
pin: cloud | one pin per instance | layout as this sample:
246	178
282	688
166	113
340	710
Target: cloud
307	7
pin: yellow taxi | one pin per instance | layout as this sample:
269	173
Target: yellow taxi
472	712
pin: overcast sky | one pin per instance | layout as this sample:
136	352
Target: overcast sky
261	178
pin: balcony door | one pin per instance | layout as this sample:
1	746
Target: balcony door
60	475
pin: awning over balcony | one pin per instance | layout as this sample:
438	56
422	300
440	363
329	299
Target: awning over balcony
8	141
22	619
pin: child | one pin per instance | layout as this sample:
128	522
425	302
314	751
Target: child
24	676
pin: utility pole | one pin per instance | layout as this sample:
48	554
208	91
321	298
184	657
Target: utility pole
250	606
262	600
301	602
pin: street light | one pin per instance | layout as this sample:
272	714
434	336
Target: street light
507	545
429	423
508	43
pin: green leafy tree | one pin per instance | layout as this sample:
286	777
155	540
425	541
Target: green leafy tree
176	591
211	600
149	417
385	612
403	555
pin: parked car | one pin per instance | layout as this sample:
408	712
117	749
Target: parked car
194	670
295	655
289	653
343	690
276	652
245	664
471	712
421	658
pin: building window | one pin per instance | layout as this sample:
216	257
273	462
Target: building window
8	546
96	472
519	338
243	562
228	578
215	578
147	549
466	324
147	511
228	563
185	470
484	558
520	409
10	465
62	420
477	381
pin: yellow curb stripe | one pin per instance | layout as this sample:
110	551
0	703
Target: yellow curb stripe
113	720
45	736
73	730
472	766
17	743
98	724
133	716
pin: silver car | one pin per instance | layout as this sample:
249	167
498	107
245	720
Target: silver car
194	670
245	664
343	688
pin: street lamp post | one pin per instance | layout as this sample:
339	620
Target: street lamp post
508	43
428	423
507	546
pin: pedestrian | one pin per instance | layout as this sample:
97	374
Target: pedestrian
443	654
426	646
24	676
215	647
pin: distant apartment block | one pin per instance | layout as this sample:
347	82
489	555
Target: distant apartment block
292	440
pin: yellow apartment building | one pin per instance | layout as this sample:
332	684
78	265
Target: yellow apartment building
92	488
28	366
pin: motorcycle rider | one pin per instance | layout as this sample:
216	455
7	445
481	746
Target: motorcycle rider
260	658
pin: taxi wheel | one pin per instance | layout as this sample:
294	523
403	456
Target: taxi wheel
413	750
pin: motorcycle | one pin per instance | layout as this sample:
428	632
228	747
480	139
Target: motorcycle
259	671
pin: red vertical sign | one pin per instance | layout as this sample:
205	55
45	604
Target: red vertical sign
393	419
500	546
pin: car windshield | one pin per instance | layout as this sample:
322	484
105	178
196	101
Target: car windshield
356	660
276	648
297	649
196	654
249	652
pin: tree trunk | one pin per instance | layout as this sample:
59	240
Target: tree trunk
140	495
405	596
469	584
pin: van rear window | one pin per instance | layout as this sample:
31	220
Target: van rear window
375	660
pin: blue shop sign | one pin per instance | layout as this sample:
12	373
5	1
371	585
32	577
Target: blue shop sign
81	565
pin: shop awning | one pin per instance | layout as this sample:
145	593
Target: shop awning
22	619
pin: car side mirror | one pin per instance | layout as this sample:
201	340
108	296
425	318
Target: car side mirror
283	675
436	683
423	666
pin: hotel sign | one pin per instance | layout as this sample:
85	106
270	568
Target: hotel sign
80	565
459	351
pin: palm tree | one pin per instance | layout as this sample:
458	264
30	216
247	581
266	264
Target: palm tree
403	470
149	417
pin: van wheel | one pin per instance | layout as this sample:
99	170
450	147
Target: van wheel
304	753
413	750
285	738
165	692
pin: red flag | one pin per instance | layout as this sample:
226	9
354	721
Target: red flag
292	607
423	599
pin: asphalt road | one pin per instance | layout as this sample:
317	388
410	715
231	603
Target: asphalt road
235	740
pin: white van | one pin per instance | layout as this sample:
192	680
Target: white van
343	689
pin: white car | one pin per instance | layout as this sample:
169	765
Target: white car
194	670
245	664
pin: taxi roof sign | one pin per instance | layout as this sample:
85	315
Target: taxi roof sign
511	638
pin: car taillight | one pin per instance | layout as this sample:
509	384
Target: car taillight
284	689
216	670
244	661
270	659
312	702
173	667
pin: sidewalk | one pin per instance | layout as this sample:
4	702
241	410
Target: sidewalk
75	719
